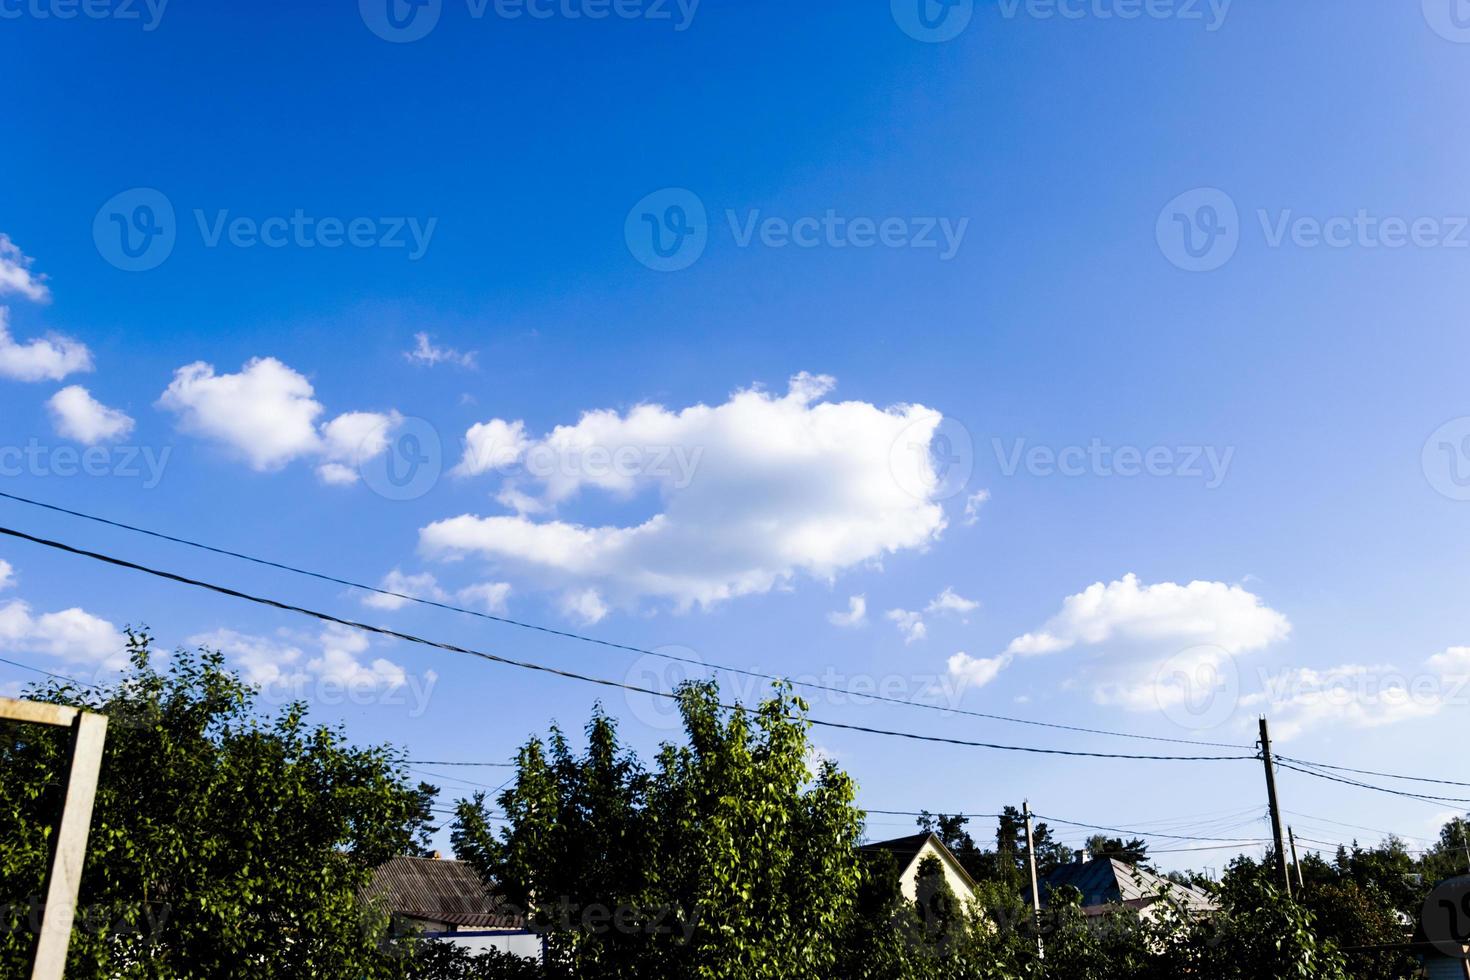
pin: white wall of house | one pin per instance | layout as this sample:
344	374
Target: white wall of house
909	882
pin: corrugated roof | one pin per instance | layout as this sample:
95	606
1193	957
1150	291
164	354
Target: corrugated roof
1107	880
442	891
903	849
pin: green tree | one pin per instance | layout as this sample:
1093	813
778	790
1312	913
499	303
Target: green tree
728	858
1133	851
223	843
1349	915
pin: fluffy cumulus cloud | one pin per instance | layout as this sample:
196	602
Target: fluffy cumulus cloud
73	635
1135	643
856	614
16	275
49	358
968	671
292	664
43	359
77	415
490	596
267	414
751	493
1304	699
340	662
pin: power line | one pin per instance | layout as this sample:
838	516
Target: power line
38	670
1354	826
1381	789
425	762
572	675
1072	823
1371	772
565	634
1139	833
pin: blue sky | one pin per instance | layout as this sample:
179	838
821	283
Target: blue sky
1297	373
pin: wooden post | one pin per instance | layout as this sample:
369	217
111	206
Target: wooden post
1296	862
1035	890
1276	833
69	844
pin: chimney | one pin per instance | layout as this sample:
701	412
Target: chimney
1083	857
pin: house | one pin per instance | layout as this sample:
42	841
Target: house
909	852
446	900
1106	883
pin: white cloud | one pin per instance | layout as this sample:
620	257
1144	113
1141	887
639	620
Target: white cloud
585	605
1353	695
856	615
16	275
973	503
424	352
970	671
350	440
910	624
1357	696
261	661
1453	665
7	574
77	415
490	595
48	359
951	603
267	414
289	662
493	445
1124	613
753	492
338	662
74	635
1129	632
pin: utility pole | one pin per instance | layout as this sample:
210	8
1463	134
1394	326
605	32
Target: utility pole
1035	890
1465	843
1301	888
1276	833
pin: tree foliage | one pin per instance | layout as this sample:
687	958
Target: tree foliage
224	843
727	858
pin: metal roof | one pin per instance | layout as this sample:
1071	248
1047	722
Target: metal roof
1104	881
440	891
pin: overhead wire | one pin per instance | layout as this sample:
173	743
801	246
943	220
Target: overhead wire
568	674
584	638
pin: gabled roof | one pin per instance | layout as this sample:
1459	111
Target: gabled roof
1104	881
440	891
905	849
